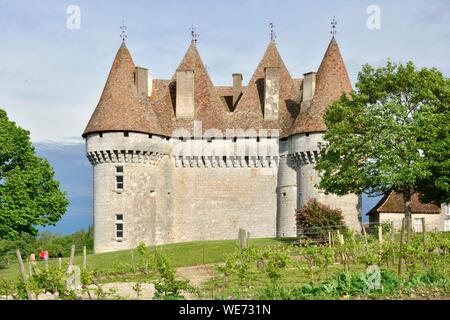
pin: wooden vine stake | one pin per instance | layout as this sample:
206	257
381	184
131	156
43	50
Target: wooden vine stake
380	234
424	233
400	258
329	239
24	274
393	241
84	257
342	242
72	256
365	237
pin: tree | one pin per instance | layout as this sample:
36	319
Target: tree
435	143
386	136
29	194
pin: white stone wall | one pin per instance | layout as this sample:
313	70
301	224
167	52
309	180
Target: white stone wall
304	148
172	198
433	222
213	203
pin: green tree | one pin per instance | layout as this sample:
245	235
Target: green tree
377	138
435	143
29	194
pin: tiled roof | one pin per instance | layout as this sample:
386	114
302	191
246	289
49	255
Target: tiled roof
393	203
249	111
331	81
120	108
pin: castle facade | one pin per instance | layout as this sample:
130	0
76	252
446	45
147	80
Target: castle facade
181	159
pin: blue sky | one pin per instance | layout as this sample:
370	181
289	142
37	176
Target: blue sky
52	77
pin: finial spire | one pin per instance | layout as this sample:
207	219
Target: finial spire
194	35
333	26
273	35
123	34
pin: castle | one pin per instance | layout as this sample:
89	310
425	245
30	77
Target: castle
181	159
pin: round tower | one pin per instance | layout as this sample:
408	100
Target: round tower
318	91
127	161
286	193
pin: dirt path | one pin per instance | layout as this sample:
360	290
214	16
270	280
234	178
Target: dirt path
196	274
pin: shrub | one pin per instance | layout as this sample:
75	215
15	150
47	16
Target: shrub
316	219
168	287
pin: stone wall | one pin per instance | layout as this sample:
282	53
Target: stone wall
168	197
433	222
213	203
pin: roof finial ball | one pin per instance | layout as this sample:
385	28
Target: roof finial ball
194	35
333	27
273	35
123	33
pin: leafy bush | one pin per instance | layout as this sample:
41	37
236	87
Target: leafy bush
316	219
168	287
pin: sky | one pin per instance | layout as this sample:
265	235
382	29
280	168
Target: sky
52	72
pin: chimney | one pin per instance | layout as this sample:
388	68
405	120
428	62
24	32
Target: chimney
185	94
271	93
141	81
309	85
237	87
150	84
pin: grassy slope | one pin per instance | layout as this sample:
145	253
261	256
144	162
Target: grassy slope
179	254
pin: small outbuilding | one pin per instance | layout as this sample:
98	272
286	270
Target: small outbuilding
390	209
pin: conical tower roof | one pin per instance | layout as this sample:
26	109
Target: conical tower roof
331	81
249	111
120	108
209	109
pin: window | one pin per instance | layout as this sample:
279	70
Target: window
119	227
119	182
418	225
126	134
447	209
119	178
447	225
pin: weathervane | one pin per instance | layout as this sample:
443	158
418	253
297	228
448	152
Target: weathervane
123	34
194	35
333	26
273	36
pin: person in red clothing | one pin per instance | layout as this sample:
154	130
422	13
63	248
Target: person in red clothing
42	255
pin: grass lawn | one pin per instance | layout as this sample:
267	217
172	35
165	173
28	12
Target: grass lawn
178	254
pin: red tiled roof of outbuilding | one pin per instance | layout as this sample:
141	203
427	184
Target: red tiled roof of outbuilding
393	203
